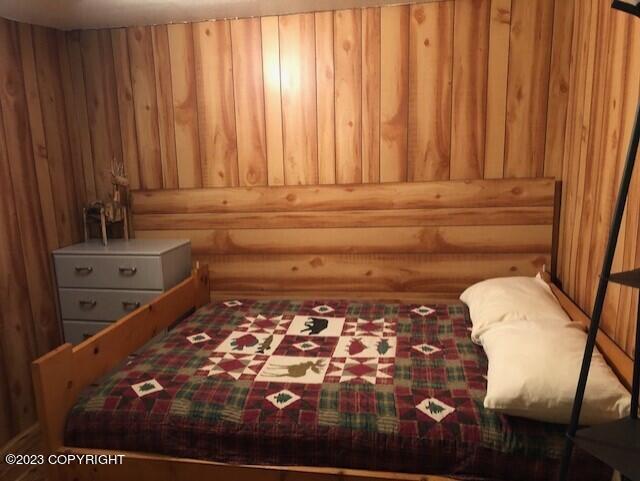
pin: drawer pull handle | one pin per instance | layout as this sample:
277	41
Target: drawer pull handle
84	270
128	271
130	306
88	304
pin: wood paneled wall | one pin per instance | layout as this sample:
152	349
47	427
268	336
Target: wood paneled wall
410	240
435	91
603	93
41	187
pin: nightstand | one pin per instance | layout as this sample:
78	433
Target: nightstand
100	284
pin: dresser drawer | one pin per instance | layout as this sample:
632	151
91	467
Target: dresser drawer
100	304
77	331
117	272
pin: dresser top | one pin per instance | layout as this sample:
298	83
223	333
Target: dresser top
138	247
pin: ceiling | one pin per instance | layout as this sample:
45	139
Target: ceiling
83	14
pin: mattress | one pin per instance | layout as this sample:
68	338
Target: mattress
392	387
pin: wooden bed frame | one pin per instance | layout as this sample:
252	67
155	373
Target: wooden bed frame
62	374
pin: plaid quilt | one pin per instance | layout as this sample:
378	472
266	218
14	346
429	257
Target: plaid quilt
395	387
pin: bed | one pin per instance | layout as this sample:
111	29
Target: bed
446	253
388	387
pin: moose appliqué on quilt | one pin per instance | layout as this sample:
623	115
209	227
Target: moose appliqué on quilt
395	381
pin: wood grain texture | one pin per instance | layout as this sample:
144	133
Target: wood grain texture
23	177
528	87
469	107
248	85
73	130
348	96
164	96
272	99
38	140
143	79
326	108
558	87
498	76
185	105
473	239
35	152
371	68
298	87
67	204
216	105
442	274
435	237
349	218
598	90
431	50
394	88
387	94
414	195
82	116
126	107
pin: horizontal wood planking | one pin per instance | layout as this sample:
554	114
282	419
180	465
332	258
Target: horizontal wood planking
439	273
479	193
366	240
349	218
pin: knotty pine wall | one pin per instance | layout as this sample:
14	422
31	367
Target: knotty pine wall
443	90
39	205
603	92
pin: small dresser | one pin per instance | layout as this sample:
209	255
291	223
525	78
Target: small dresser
100	284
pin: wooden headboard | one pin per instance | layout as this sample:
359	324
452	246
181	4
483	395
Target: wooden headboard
385	241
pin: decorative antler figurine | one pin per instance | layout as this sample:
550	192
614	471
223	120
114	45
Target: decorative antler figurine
113	211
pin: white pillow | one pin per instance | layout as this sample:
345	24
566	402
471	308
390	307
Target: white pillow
534	370
512	298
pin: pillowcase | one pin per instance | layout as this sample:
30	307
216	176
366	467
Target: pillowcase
534	370
512	298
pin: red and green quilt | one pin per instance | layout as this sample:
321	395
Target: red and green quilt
395	387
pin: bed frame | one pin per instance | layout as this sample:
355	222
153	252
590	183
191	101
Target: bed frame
62	374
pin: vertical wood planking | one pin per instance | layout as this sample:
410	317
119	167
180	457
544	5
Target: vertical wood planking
56	135
216	111
21	183
126	107
325	98
430	80
469	106
499	33
246	40
298	86
558	87
80	105
528	87
272	99
394	86
38	140
185	105
97	99
143	80
73	131
16	343
371	69
164	96
348	96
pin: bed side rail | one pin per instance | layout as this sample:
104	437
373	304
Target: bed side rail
620	362
60	375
